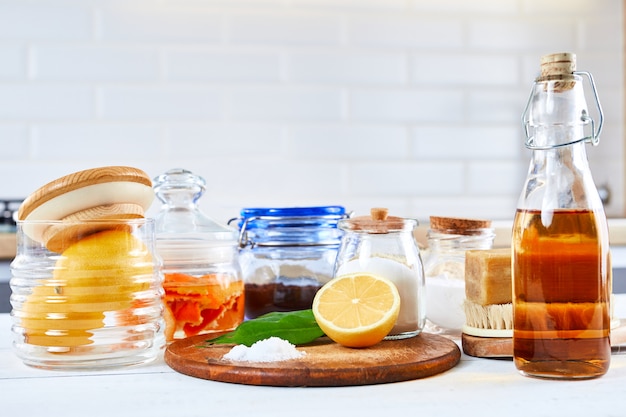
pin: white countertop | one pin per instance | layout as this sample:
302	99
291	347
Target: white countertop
483	387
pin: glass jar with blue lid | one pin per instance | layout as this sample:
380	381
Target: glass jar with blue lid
286	254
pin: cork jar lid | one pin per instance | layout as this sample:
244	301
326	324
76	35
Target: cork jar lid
458	225
98	194
378	222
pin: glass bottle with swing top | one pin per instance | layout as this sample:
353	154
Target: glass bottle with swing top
561	261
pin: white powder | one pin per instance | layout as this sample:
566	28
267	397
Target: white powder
406	280
273	349
445	302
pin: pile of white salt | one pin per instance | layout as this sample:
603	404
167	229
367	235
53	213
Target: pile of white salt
272	349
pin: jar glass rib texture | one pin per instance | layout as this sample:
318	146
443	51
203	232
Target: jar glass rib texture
92	302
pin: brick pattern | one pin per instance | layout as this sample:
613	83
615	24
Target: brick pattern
410	104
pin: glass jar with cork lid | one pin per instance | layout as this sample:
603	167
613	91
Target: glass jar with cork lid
444	265
385	246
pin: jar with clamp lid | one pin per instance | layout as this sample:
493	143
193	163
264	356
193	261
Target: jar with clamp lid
286	255
448	240
204	290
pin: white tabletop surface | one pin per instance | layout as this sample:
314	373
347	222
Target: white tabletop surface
475	387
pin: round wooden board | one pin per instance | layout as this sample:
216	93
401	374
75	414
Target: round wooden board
326	363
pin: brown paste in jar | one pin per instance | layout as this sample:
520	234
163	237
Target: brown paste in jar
278	296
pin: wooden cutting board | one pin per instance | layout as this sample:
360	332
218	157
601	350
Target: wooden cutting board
502	347
326	363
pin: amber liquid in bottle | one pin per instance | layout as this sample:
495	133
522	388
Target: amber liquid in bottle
561	295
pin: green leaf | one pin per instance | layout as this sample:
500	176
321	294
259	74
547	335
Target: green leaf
297	327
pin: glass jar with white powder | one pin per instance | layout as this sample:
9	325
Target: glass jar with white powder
444	265
385	246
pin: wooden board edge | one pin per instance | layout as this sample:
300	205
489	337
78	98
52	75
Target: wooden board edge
302	376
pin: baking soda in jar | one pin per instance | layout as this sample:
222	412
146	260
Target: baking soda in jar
444	266
404	279
385	246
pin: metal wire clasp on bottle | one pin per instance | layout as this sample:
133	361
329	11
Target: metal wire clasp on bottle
586	120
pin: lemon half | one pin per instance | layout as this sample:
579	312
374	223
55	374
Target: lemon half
357	310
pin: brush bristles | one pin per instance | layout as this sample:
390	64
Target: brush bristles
492	316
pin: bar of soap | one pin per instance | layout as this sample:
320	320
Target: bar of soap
488	276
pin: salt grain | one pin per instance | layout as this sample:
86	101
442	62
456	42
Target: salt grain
273	349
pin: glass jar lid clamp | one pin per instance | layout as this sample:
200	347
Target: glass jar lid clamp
287	226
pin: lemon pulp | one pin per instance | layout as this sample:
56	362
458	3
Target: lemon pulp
101	273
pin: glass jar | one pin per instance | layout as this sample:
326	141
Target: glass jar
561	260
286	255
385	246
444	265
86	294
203	285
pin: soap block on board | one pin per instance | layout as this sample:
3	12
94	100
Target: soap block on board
488	276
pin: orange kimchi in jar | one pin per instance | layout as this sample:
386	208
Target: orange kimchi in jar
203	285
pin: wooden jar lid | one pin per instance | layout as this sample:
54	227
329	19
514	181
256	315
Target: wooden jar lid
457	225
377	222
106	193
72	228
85	189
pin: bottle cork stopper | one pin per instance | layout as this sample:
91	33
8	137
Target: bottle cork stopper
562	63
458	226
559	67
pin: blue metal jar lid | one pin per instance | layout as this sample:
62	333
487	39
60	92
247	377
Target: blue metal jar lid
290	216
290	226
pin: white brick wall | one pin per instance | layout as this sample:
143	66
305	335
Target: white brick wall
410	104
